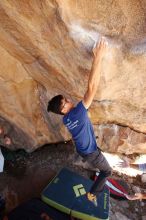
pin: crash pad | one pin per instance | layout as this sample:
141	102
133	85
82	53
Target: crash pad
67	193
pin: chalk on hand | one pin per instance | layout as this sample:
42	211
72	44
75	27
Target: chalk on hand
102	38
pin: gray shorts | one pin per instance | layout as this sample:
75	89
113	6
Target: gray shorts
97	159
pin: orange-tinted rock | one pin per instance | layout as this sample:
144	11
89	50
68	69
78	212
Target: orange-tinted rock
118	139
45	49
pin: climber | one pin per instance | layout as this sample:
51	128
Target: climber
76	119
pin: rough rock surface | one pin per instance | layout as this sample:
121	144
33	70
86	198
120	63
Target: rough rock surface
45	49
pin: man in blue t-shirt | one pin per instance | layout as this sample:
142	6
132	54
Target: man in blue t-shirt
79	125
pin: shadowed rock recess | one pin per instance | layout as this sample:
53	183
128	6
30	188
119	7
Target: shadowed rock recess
46	49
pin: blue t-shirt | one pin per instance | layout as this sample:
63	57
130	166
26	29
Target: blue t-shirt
79	125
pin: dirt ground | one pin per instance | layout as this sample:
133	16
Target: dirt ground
25	176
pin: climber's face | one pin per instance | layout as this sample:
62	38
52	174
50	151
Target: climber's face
66	105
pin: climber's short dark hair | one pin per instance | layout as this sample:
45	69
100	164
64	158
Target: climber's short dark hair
54	105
